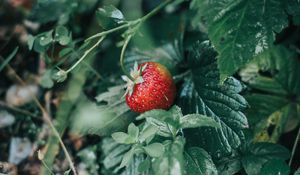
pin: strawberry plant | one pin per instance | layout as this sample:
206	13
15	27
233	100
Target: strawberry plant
165	87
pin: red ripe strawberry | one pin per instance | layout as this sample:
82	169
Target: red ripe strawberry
152	88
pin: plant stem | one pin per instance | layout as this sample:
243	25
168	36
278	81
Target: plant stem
85	54
109	31
122	58
45	165
294	147
47	118
155	10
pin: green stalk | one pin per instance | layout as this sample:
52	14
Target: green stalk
294	147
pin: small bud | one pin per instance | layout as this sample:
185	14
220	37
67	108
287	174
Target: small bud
40	155
60	76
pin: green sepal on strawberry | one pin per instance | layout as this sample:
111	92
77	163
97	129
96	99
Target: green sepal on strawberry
152	87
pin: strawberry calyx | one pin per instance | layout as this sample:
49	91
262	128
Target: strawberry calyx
137	78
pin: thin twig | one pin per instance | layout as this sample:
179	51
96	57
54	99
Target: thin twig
295	147
19	110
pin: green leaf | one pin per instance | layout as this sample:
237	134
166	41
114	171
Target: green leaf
133	131
46	80
144	166
67	172
46	38
8	58
202	93
297	172
275	167
109	16
271	113
127	158
169	55
229	165
167	122
257	154
148	132
172	161
293	8
154	149
197	120
121	137
62	35
242	29
113	153
199	162
65	52
88	118
30	41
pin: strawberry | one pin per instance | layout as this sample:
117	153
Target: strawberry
152	87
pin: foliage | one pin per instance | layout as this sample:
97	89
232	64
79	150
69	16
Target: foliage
236	68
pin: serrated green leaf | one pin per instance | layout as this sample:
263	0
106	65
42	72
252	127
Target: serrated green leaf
199	162
154	149
275	167
109	16
241	29
202	93
172	161
168	55
257	154
121	137
197	120
8	58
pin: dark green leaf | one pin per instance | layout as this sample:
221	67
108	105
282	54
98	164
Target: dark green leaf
109	16
241	29
297	172
172	161
144	166
199	162
154	149
46	38
293	8
202	93
259	153
8	58
269	91
229	165
197	120
275	167
168	55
